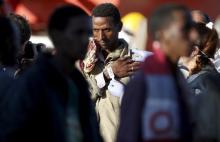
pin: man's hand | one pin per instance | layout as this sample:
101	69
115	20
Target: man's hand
124	67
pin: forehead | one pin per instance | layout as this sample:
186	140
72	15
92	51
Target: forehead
79	22
179	17
182	20
102	22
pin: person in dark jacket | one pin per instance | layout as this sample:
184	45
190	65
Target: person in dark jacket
154	107
51	101
204	81
28	51
8	51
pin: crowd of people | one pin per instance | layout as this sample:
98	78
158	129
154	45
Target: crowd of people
118	94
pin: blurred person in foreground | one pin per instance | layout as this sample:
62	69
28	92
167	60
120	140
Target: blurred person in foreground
4	8
204	81
28	51
9	43
50	102
154	107
107	67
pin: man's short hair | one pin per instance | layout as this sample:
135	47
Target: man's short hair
164	16
60	18
9	40
23	27
107	10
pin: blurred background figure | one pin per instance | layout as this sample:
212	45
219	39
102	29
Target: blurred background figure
4	8
217	24
200	17
51	102
28	51
154	107
217	55
204	81
134	30
9	44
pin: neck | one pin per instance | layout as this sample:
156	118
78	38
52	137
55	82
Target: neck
64	64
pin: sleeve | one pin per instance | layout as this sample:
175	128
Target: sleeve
131	110
100	80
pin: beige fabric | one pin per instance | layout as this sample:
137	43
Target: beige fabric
107	105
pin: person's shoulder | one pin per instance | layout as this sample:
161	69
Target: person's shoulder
35	74
209	80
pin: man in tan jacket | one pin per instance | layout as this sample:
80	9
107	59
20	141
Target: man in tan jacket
107	67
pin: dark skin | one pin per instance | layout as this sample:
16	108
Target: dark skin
105	33
72	43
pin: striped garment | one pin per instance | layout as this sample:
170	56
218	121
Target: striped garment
156	110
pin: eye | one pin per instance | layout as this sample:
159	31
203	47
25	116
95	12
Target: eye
107	30
95	30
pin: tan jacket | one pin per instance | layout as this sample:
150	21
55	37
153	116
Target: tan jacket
107	105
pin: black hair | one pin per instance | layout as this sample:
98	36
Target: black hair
164	16
207	42
206	18
60	18
23	27
9	40
107	10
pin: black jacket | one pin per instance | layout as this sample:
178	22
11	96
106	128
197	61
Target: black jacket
34	110
205	87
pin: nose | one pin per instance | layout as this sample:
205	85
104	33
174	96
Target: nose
100	35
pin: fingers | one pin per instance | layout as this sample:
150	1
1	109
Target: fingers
138	64
134	66
124	58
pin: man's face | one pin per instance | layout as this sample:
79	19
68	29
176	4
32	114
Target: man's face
176	36
105	32
75	37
